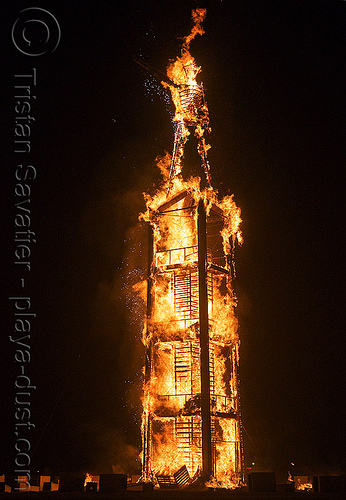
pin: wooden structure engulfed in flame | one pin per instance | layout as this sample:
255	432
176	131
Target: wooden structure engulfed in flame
191	405
191	424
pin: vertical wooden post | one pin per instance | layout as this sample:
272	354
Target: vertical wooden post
146	472
207	462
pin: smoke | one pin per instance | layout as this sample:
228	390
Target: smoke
163	164
112	452
115	243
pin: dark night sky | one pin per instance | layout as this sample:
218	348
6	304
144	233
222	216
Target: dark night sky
273	74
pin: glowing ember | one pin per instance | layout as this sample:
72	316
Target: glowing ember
191	412
302	483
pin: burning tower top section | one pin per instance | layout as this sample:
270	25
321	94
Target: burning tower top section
191	110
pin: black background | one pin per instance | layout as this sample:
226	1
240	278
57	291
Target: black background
274	85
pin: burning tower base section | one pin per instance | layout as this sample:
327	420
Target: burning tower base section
191	418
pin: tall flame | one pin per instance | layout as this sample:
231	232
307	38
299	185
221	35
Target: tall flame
172	421
198	17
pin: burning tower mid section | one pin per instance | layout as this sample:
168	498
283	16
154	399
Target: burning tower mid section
191	424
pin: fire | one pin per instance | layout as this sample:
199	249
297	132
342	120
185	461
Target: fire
303	486
188	98
172	392
198	16
188	256
88	479
302	483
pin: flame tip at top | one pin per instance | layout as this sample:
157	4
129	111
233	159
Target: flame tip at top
197	16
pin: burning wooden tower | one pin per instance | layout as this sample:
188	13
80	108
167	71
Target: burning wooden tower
191	424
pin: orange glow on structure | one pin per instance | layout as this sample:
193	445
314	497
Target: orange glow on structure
191	423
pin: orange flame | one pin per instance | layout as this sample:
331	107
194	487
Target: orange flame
198	17
171	330
172	421
88	479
